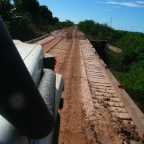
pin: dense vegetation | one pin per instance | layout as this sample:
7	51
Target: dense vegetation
127	66
26	19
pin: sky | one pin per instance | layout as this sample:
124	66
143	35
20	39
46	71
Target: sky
119	14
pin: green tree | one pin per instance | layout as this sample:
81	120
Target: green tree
5	9
46	14
30	6
88	27
56	20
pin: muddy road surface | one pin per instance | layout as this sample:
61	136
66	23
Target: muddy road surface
92	113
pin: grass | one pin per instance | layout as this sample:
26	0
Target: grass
125	78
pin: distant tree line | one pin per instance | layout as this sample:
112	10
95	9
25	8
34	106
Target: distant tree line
95	30
26	19
127	66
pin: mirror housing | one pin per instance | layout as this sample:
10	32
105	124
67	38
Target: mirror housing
20	101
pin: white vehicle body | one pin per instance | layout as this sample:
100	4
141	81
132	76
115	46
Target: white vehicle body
32	55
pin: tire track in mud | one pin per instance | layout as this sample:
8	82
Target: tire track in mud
111	122
72	121
48	46
72	129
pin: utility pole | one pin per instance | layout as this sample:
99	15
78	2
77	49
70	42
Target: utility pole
132	28
110	21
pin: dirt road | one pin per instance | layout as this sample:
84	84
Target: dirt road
93	113
72	116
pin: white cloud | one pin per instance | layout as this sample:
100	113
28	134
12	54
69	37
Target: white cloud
128	4
140	2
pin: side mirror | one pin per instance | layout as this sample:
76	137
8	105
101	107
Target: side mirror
20	101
